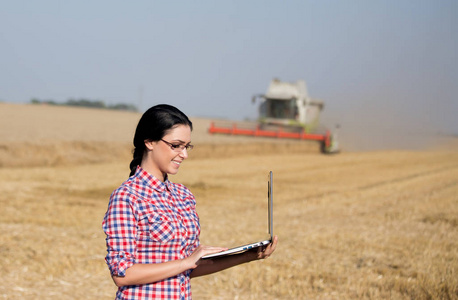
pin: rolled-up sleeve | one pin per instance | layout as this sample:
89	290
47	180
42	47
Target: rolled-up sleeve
120	227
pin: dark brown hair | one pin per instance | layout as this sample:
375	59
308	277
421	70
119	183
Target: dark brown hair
153	126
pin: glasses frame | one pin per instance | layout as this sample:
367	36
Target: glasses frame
179	147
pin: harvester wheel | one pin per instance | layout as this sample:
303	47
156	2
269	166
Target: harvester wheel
323	147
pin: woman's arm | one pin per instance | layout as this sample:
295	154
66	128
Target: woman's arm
147	273
218	264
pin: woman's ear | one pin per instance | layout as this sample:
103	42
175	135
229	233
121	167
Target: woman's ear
149	144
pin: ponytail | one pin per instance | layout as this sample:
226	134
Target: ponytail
136	161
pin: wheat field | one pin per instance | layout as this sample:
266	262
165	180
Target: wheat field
356	225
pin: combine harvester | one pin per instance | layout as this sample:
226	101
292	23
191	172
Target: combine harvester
285	112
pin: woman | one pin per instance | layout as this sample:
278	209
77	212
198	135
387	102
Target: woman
151	224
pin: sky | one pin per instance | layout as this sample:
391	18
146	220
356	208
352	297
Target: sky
384	69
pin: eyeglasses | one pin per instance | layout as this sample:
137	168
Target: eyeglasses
179	147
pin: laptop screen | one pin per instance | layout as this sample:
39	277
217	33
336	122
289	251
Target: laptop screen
270	204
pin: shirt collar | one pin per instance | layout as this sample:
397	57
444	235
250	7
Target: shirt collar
152	181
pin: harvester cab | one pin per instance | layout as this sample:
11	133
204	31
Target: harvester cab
288	106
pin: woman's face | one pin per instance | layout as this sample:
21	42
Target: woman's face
166	160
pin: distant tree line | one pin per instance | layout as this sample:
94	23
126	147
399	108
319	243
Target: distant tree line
87	103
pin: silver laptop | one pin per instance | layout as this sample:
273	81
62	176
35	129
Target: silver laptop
270	207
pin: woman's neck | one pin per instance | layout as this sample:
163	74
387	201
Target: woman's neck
153	171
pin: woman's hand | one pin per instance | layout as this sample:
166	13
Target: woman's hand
193	260
265	252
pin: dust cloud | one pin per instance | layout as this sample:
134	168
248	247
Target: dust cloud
388	126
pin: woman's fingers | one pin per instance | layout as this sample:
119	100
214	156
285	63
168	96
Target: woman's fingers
200	251
265	252
204	250
210	249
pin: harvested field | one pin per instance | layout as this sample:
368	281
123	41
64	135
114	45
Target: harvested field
357	225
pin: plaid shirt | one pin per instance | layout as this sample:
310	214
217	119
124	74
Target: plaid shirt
147	222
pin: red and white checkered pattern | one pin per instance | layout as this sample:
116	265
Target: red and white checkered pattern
147	222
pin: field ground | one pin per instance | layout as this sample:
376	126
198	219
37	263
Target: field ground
357	225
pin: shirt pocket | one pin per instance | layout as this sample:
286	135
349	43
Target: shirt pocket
161	228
